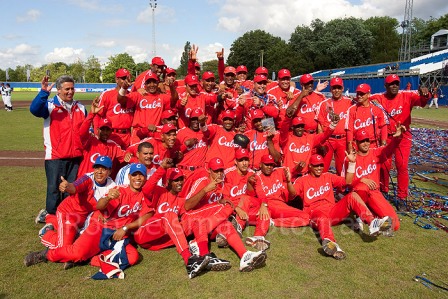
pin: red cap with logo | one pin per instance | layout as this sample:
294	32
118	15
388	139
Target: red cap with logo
364	88
167	128
256	113
260	78
230	70
170	70
158	61
228	114
151	75
174	173
261	71
241	68
104	122
215	164
336	81
207	75
196	112
307	78
284	73
392	78
191	80
122	73
197	65
298	121
316	160
361	135
241	153
167	114
267	159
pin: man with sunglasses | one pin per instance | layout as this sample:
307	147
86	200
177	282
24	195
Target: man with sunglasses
120	116
158	67
397	105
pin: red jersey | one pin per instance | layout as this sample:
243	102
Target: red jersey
339	107
259	146
148	108
221	145
268	105
128	207
280	95
308	109
318	191
197	185
88	192
398	109
202	100
235	184
370	118
272	187
160	151
120	117
195	155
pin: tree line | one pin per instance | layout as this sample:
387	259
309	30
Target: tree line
338	43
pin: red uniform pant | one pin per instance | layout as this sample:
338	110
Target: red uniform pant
377	204
161	231
401	153
336	148
325	216
66	227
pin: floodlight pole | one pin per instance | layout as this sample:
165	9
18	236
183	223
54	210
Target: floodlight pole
405	50
153	5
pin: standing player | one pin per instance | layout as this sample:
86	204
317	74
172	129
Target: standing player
398	106
283	92
63	117
7	93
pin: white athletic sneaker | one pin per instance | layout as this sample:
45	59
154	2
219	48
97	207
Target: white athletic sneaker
258	242
44	229
332	249
194	248
379	225
251	260
221	241
236	225
358	226
40	218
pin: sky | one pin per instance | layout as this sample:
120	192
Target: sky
45	31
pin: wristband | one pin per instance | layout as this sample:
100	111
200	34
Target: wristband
122	91
351	167
333	125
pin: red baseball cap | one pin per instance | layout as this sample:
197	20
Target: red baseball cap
392	78
256	113
229	114
207	75
241	153
260	78
170	70
215	164
196	112
316	160
241	68
364	88
361	135
151	75
336	81
267	159
306	79
168	128
298	120
284	73
174	173
104	122
122	73
158	61
197	65
261	71
167	114
230	69
191	80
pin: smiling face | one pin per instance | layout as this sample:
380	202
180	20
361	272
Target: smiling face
362	98
67	91
241	76
336	91
229	79
194	124
169	138
284	83
192	90
208	84
227	123
309	86
363	145
316	170
260	87
392	88
266	169
104	133
136	181
145	156
257	125
242	165
175	186
100	174
298	130
151	86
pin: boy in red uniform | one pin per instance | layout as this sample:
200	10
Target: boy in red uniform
316	192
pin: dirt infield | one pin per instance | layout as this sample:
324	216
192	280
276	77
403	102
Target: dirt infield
36	159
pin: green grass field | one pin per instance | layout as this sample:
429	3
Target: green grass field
296	268
29	96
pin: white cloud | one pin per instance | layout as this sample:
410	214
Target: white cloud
138	54
19	55
67	55
163	14
30	16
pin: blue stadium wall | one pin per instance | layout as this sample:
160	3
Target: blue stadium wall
80	87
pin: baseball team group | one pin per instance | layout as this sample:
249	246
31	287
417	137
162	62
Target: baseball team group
159	162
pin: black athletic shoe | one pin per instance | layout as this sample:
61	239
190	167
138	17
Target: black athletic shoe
196	264
35	257
217	264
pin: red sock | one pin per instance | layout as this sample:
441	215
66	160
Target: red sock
203	248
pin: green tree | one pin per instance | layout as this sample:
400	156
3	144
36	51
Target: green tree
77	71
123	60
386	40
141	67
92	70
211	66
183	67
